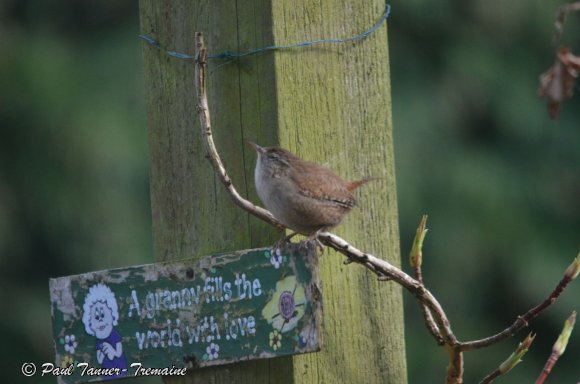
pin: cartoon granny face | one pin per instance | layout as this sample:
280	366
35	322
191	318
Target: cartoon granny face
100	316
101	320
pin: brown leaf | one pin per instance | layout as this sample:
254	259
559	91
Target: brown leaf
557	83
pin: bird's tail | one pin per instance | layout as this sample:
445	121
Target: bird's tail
355	184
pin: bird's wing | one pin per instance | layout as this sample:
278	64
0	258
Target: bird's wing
322	184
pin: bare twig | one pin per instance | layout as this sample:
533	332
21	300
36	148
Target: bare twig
522	321
423	295
214	158
430	324
491	377
558	348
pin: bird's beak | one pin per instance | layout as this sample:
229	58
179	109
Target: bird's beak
256	147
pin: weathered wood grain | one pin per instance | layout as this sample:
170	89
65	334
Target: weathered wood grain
330	104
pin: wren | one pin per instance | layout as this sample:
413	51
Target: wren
306	197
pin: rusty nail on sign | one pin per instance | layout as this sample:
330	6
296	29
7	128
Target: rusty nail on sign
251	304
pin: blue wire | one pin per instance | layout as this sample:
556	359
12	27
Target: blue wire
228	55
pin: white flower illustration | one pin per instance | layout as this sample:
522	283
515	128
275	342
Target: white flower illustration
276	258
70	344
212	351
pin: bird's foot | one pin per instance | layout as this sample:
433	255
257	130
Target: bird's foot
314	241
281	244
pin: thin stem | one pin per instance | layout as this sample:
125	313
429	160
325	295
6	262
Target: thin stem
559	348
427	315
491	377
514	359
213	155
547	368
521	322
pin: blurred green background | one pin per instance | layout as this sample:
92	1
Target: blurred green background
475	149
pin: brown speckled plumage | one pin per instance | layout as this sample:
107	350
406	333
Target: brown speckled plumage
304	196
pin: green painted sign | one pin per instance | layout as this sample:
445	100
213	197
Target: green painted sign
166	318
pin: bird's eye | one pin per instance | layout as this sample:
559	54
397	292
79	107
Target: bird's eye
280	160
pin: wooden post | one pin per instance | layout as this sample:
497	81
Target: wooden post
330	104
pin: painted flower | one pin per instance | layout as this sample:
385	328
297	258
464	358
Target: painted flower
287	305
67	360
212	351
70	344
276	258
275	340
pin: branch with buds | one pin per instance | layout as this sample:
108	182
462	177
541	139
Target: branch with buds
514	359
558	348
435	317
